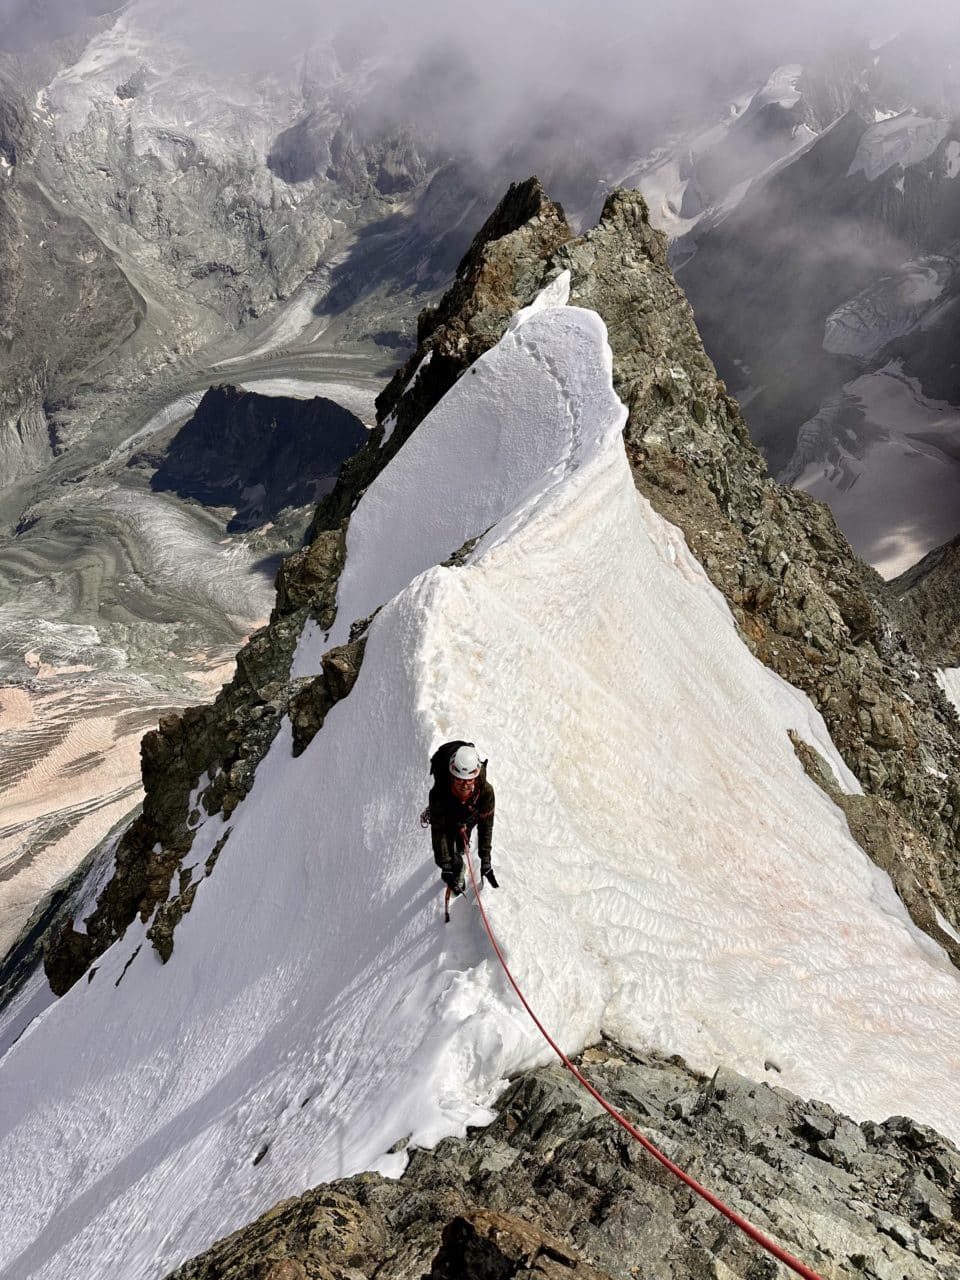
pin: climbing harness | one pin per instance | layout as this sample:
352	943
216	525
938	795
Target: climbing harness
757	1236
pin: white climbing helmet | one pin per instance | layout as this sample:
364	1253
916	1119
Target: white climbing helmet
465	762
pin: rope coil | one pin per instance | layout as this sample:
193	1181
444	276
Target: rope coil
746	1227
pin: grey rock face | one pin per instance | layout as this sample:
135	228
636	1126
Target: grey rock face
62	299
219	218
927	601
309	149
259	454
554	1187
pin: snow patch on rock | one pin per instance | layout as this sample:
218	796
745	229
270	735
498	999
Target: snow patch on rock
948	678
905	140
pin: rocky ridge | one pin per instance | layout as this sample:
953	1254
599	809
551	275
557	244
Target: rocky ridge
261	455
554	1188
873	1200
804	603
926	599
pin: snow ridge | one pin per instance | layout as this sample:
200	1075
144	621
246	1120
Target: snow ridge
669	873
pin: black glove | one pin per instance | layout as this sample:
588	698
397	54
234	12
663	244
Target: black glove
486	873
449	878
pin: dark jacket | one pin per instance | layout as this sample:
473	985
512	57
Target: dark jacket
448	815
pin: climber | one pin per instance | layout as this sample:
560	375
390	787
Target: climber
461	798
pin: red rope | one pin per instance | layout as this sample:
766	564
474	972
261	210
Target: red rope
764	1241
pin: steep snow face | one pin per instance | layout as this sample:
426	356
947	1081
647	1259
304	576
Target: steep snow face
669	874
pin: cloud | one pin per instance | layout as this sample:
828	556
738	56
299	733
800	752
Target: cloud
491	79
486	77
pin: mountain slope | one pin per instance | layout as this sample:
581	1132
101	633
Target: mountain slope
179	204
553	1180
663	869
926	598
835	269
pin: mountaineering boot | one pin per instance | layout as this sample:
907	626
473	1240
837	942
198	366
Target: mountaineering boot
455	883
491	879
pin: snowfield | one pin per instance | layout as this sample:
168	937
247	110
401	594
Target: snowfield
669	874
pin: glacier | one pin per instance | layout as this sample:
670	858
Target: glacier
670	875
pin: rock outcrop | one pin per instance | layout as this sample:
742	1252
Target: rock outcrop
258	454
554	1188
927	601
